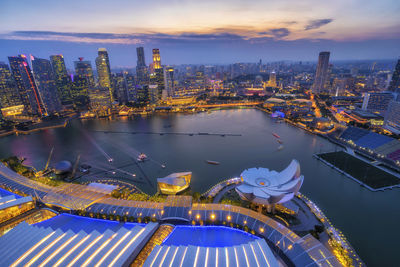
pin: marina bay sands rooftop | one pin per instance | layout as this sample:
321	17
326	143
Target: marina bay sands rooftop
176	232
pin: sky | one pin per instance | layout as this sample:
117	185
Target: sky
202	31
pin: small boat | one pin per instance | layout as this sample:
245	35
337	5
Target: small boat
279	141
163	166
110	160
277	136
280	147
142	157
212	162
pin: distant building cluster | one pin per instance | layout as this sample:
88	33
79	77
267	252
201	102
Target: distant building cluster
364	93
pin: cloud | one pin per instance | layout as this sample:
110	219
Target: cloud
216	34
315	24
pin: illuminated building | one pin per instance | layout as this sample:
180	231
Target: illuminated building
45	81
12	110
156	79
9	95
154	95
26	85
392	117
169	82
104	71
174	183
100	100
10	206
63	80
377	102
142	95
130	86
82	81
321	75
142	72
272	79
120	88
265	187
84	70
394	85
156	59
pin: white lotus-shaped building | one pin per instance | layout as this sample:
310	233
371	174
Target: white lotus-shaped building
265	187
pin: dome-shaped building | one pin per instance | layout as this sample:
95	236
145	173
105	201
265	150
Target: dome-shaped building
63	167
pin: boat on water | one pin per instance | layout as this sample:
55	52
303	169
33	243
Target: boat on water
212	162
279	141
142	157
275	135
280	147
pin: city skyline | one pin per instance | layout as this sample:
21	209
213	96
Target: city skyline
215	33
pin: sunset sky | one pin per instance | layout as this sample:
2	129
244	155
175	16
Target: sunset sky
206	31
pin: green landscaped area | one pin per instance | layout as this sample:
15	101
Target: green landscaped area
362	171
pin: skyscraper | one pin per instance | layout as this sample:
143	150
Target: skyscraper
26	85
169	82
82	81
63	80
9	95
394	85
46	84
141	68
120	88
272	79
321	75
84	70
104	71
156	78
156	58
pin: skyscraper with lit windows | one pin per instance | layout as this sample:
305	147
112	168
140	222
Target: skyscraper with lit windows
84	70
9	95
82	81
321	75
104	71
156	78
26	85
63	80
142	72
46	84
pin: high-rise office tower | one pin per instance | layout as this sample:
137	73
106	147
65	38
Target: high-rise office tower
272	79
169	82
84	70
120	88
9	95
156	58
394	85
104	71
26	85
82	81
142	72
63	80
45	80
140	57
156	79
321	75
